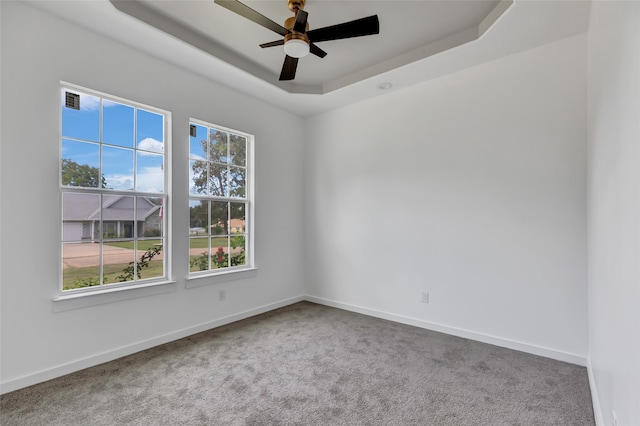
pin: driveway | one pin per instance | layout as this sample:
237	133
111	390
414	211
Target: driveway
85	255
88	254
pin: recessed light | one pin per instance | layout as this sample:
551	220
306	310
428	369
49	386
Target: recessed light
385	86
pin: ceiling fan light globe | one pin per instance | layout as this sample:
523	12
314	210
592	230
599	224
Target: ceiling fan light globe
296	48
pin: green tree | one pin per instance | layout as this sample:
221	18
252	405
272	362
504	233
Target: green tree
199	216
74	174
223	174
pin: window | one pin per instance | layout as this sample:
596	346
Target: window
220	202
113	185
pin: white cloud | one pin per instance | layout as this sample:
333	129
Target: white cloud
89	103
150	179
150	144
119	182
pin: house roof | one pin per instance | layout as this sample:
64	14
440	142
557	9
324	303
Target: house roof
236	222
81	207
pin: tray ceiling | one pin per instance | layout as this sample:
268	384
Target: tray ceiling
419	41
409	31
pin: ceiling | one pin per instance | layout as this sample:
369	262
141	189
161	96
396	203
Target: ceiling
407	30
419	40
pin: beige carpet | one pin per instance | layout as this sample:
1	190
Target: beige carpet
308	364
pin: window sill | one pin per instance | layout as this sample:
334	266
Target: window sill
67	302
195	281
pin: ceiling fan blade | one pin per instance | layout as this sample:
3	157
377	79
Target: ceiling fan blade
360	27
246	12
317	51
301	21
272	43
289	68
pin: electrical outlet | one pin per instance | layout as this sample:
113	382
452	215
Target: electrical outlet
424	297
222	295
614	418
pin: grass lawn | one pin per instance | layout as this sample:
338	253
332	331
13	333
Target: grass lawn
142	244
70	275
80	277
204	242
193	243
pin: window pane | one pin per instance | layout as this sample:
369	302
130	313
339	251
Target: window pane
149	259
149	213
238	250
81	152
218	185
150	130
198	218
198	254
220	249
150	172
117	168
117	259
83	123
198	177
219	218
237	212
237	182
80	265
151	145
80	164
80	216
117	124
198	144
118	216
218	146
238	233
73	173
238	150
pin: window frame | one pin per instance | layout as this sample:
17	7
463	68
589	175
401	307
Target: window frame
228	273
70	297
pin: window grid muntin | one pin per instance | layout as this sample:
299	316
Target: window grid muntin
210	197
162	196
98	236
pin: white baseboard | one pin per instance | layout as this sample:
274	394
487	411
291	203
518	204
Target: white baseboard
61	370
52	373
468	334
595	400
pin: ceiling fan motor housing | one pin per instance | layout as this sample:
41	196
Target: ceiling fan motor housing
295	5
289	23
294	40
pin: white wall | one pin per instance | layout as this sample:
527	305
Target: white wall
38	51
471	187
614	210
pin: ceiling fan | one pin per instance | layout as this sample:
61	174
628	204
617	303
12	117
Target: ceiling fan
298	40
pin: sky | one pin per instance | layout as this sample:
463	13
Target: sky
224	147
126	144
131	147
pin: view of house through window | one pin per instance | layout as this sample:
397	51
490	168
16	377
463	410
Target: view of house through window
113	189
219	202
